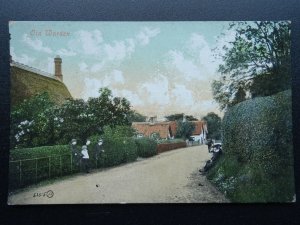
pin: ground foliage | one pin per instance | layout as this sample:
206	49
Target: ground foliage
257	165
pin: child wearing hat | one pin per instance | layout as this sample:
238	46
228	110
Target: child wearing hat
85	158
76	155
99	149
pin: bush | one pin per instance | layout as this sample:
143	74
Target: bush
146	147
258	147
38	152
118	144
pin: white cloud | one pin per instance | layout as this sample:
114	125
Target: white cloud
65	52
146	34
117	76
200	49
23	58
92	85
83	67
119	50
184	66
181	96
87	42
207	105
36	44
157	90
50	65
91	43
133	98
97	67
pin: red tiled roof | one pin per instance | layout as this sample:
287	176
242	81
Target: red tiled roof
165	128
199	126
173	127
147	128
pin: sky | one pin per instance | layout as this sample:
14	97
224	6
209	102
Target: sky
162	68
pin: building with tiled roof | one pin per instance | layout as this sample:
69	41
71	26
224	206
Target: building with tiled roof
200	131
149	129
168	129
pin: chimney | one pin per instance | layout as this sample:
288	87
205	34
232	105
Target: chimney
57	68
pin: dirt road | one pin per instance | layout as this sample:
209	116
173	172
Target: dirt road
170	177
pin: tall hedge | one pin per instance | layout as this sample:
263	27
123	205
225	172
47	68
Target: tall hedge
146	147
258	146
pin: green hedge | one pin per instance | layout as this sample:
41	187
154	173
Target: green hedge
257	141
30	165
117	151
146	147
37	152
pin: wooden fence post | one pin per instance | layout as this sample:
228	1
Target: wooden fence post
20	172
71	163
35	170
60	165
49	166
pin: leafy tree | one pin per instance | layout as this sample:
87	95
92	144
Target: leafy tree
180	116
37	121
184	129
134	116
84	119
31	122
213	125
258	61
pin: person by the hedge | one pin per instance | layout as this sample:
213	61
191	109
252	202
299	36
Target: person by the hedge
99	149
217	151
85	159
209	144
76	154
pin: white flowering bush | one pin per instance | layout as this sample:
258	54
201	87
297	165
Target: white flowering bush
37	121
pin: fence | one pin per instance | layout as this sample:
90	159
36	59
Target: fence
29	171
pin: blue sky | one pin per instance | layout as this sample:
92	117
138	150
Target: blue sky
160	67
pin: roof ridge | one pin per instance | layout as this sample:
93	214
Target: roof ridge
32	69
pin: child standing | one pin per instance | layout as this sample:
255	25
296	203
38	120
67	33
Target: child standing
85	158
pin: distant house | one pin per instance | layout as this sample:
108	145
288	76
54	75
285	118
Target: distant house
200	131
168	129
149	129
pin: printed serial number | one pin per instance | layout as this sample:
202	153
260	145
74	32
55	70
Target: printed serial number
48	194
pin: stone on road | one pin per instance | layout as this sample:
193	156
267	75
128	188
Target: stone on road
170	177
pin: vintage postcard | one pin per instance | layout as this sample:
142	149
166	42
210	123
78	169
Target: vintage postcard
150	112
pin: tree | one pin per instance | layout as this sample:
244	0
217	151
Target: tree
37	121
260	53
134	116
180	116
213	125
31	122
184	129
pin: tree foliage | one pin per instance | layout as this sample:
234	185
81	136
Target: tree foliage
257	61
213	125
134	116
180	116
31	121
184	129
37	121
